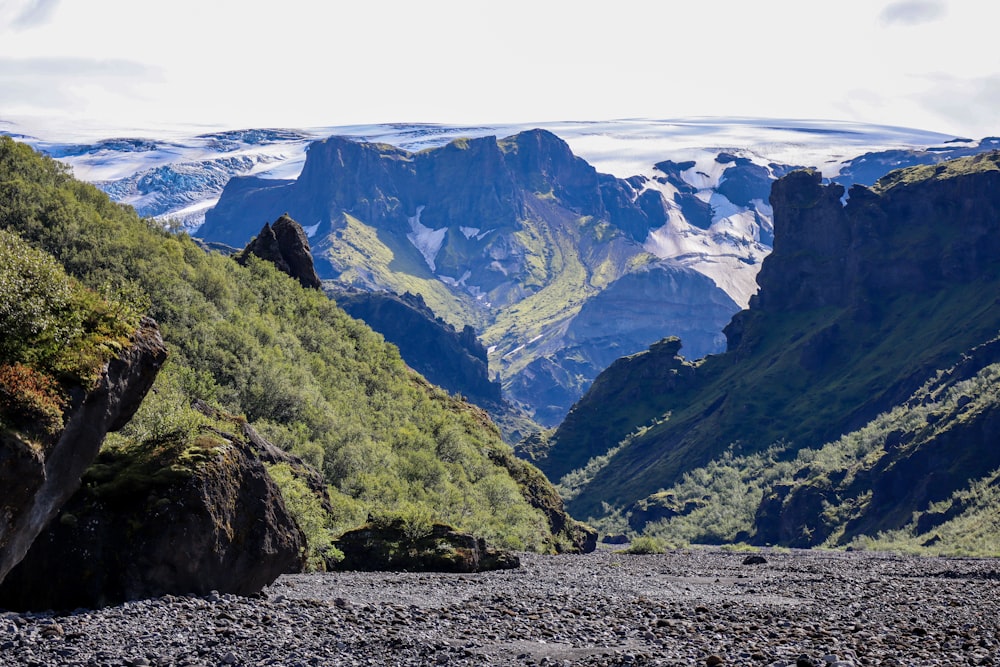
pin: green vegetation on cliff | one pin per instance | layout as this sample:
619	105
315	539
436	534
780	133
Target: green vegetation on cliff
856	403
253	342
57	335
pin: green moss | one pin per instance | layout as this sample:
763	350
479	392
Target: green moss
980	163
644	545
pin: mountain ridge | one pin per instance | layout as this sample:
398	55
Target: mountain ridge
512	236
860	305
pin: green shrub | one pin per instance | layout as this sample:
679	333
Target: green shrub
30	400
645	544
308	512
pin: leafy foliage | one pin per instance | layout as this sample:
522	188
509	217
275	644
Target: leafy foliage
57	334
646	545
30	400
308	512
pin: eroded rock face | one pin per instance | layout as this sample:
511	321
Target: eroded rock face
202	517
286	245
36	481
393	548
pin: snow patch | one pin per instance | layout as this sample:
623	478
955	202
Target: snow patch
312	229
428	241
722	208
448	280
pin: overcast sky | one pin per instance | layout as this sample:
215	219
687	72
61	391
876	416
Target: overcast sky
123	64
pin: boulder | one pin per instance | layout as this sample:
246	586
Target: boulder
37	480
186	517
396	546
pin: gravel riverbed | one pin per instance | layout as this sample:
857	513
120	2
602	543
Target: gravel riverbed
693	607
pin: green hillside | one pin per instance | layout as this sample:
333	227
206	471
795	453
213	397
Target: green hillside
252	342
821	423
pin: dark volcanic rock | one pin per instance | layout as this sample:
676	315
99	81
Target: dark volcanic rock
395	547
286	246
37	481
177	518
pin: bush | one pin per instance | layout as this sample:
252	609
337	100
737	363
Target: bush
30	400
307	510
646	545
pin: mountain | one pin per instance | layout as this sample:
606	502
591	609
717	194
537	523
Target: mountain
512	236
454	360
857	395
284	359
692	191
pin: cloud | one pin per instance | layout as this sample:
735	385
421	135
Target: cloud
967	102
30	13
912	12
72	68
58	84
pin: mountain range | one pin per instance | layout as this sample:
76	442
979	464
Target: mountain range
560	265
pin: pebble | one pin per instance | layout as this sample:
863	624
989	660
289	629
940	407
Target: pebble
691	607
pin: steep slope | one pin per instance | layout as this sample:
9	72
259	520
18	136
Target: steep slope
453	360
254	342
860	305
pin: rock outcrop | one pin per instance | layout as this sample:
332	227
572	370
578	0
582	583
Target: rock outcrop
285	244
175	518
37	481
398	547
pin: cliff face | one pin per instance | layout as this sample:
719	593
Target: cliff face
453	360
860	305
37	481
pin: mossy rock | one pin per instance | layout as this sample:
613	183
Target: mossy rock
401	547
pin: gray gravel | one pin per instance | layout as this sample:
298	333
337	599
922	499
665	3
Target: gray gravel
698	607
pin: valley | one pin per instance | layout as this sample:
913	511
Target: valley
688	193
681	404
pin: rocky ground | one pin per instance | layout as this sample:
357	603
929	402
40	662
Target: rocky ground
697	607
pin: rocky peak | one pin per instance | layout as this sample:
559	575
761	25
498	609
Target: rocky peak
285	245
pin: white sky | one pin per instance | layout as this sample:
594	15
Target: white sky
127	65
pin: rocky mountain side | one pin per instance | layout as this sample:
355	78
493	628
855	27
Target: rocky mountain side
713	186
512	237
861	305
285	245
251	342
452	359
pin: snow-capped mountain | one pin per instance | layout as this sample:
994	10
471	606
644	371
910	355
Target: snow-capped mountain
179	178
692	193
